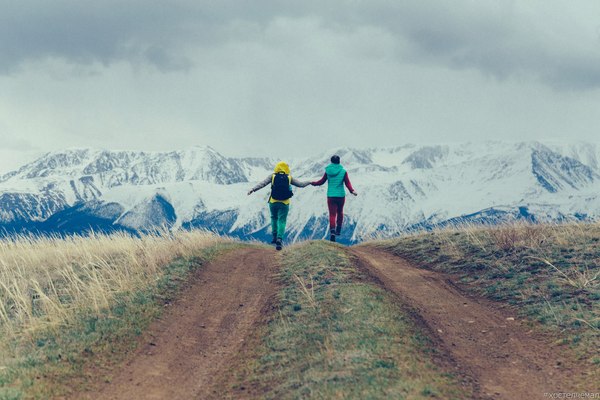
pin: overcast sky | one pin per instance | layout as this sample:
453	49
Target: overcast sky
288	78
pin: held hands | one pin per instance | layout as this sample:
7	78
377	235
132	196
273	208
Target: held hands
250	192
354	193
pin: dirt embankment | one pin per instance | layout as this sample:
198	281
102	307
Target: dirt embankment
200	335
490	345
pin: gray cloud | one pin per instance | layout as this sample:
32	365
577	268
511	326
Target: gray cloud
500	39
152	31
96	32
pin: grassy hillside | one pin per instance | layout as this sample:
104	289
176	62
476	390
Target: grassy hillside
549	273
72	307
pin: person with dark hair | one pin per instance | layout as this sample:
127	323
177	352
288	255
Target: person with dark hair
336	177
279	201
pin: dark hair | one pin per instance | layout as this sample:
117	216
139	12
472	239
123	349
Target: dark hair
335	159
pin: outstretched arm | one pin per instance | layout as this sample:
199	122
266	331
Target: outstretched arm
320	181
349	185
260	185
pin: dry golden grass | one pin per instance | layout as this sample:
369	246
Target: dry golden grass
538	239
45	281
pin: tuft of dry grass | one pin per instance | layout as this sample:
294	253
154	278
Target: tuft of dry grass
579	278
44	281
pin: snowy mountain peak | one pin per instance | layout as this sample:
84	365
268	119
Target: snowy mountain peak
115	168
556	172
51	163
426	157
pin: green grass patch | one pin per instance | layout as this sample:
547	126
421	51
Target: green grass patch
70	358
549	273
336	335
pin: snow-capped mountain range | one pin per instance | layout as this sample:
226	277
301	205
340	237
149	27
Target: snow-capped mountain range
400	189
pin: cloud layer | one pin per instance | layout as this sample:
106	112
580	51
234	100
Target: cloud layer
157	74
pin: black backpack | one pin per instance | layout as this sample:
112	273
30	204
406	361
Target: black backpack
280	187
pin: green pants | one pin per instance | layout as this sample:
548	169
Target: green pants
279	213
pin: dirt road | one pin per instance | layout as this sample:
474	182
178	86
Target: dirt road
489	343
187	353
201	333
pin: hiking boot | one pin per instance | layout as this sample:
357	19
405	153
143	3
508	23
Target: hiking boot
274	240
338	231
332	235
278	244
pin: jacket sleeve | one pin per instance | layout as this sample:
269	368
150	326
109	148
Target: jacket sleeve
320	181
262	184
298	183
348	184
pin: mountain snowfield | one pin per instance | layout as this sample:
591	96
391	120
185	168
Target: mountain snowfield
400	189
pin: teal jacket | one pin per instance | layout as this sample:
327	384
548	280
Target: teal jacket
336	177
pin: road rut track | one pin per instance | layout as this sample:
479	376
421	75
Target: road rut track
505	359
201	334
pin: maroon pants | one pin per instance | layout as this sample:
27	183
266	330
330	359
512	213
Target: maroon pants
336	212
